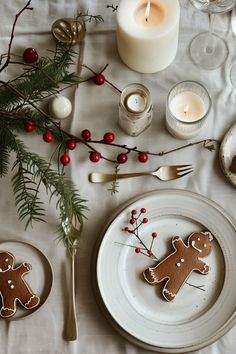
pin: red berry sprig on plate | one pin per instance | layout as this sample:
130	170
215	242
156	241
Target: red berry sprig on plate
136	221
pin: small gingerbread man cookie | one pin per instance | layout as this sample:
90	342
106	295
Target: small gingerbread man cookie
13	286
178	266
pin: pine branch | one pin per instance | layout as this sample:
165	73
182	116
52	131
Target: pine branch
5	150
87	17
31	172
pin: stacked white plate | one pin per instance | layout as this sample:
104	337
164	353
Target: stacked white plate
138	311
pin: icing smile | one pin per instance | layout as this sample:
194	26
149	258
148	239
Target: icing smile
195	247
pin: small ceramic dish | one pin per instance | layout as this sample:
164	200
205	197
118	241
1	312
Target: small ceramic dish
40	278
227	152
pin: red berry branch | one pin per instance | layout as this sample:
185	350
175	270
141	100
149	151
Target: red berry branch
136	221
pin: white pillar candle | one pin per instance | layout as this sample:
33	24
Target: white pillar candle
188	105
147	33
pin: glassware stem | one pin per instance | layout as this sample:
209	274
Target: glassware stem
210	39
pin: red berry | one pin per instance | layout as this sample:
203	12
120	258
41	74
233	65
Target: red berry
48	137
86	134
126	229
134	212
143	210
99	79
132	221
29	126
109	137
65	159
71	144
149	252
145	220
137	250
154	234
94	156
30	55
122	158
142	157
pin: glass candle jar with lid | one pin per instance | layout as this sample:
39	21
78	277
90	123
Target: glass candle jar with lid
135	109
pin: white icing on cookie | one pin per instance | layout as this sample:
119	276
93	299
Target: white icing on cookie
195	247
207	233
169	293
178	264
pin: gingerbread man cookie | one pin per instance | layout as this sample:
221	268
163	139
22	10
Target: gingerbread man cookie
178	266
13	287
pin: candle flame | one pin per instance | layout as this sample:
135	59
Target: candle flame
186	109
147	12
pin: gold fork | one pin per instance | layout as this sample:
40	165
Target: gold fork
164	173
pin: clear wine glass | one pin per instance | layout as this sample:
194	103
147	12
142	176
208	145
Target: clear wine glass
208	50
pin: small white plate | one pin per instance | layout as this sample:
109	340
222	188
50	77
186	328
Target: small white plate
227	152
40	278
195	318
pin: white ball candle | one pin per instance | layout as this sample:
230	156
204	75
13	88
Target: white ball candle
60	107
147	33
188	105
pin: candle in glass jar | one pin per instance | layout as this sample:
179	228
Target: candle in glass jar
147	33
135	109
188	105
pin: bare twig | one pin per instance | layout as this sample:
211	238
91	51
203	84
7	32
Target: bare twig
8	57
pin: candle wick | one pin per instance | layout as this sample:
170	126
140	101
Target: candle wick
147	12
186	109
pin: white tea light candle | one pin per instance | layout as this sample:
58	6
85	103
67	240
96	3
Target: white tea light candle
147	33
136	102
188	105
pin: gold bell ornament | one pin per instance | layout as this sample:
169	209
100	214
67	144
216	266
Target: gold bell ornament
68	31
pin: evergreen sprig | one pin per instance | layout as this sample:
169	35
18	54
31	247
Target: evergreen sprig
19	99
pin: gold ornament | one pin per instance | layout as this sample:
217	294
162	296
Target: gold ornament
68	31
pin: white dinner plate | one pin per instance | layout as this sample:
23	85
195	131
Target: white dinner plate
40	278
227	152
195	318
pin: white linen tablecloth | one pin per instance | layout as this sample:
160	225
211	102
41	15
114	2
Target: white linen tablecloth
96	108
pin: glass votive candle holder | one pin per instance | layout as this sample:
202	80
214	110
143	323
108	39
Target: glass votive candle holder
188	105
135	109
